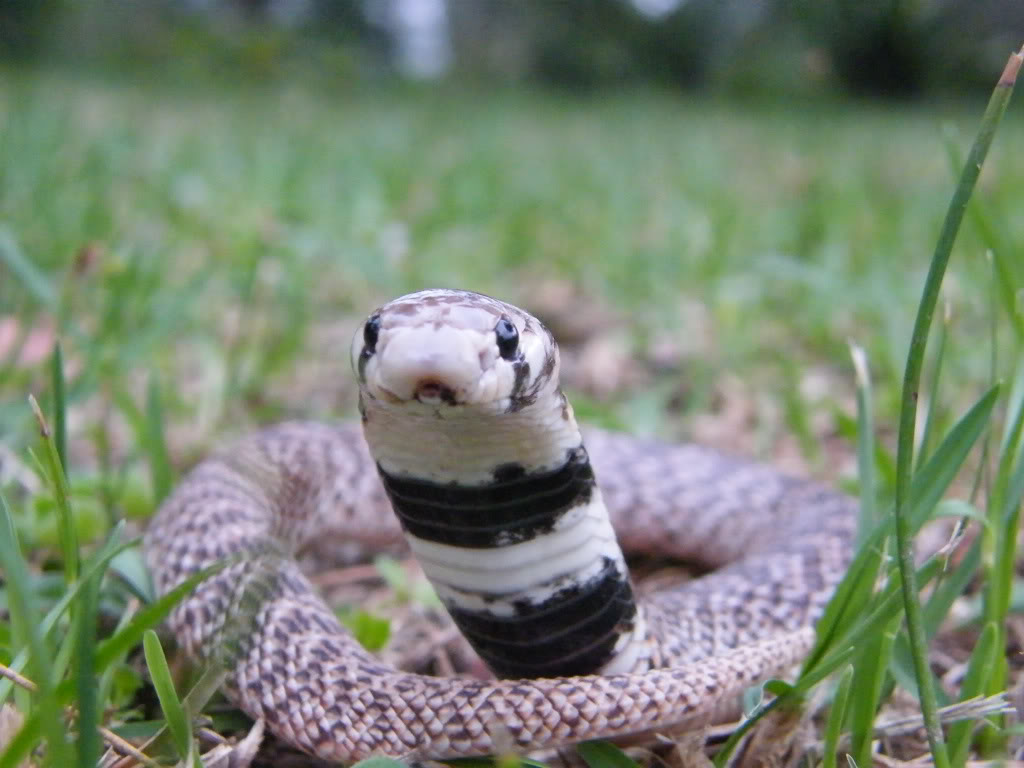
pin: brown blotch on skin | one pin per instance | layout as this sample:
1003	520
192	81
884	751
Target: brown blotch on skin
407	308
549	365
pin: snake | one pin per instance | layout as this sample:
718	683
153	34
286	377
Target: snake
469	451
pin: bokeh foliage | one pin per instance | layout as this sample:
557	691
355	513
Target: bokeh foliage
889	48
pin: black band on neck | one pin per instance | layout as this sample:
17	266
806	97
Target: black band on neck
515	507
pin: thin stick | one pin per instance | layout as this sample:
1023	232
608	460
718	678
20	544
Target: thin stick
17	679
119	745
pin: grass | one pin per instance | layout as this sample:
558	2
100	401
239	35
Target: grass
203	256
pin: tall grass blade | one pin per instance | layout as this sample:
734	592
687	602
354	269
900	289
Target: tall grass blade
905	674
390	762
865	443
60	428
840	650
1001	542
61	493
1014	416
870	670
97	562
193	702
22	609
601	754
118	644
476	762
932	388
178	723
908	402
87	702
24	741
953	586
856	589
834	726
979	670
931	482
999	538
998	246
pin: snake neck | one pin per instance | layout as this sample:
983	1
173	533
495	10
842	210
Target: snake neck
504	514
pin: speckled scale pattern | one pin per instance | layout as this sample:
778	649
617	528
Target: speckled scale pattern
779	546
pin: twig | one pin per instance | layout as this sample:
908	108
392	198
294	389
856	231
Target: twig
119	745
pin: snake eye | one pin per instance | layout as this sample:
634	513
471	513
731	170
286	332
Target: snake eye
370	333
508	338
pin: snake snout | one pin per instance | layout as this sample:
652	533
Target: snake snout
430	365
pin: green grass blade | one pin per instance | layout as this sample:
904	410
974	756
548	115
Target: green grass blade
482	762
979	670
97	562
870	670
999	592
998	246
1000	535
61	493
840	651
885	608
19	629
930	483
865	443
206	686
905	675
24	741
130	569
933	390
834	725
953	586
60	428
22	609
935	610
177	722
88	720
908	401
372	632
1008	449
118	644
851	597
786	696
602	754
1014	415
390	762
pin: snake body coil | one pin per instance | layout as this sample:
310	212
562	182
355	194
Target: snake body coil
511	514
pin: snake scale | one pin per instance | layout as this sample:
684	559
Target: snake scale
472	452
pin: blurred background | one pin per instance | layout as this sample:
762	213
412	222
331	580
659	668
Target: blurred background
885	48
707	200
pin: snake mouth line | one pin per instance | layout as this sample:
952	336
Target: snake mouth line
434	395
430	392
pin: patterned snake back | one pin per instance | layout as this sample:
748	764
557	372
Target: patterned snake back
467	426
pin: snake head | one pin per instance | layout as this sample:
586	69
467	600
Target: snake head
447	348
